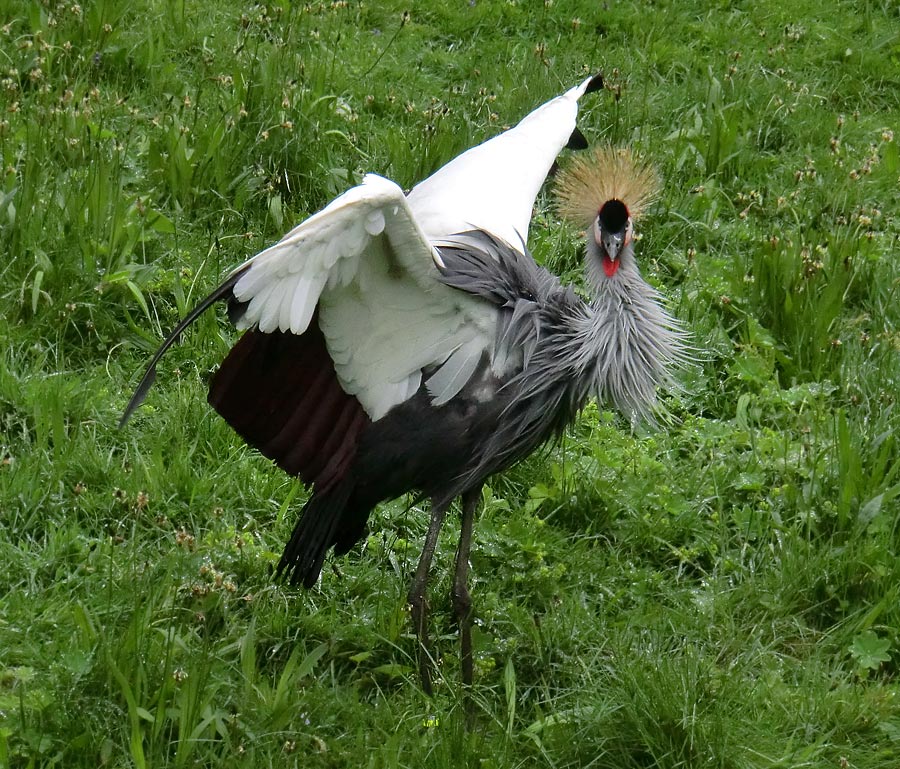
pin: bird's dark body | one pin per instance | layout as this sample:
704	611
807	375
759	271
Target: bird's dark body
280	392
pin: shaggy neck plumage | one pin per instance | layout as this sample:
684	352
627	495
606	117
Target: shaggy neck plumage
630	341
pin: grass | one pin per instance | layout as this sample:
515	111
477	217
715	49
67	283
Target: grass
722	592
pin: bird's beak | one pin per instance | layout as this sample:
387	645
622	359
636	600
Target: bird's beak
611	243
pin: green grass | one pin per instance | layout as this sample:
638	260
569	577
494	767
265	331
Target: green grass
722	592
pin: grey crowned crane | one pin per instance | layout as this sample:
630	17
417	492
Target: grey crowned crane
397	343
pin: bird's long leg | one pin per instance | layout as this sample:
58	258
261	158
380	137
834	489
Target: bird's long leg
462	602
418	603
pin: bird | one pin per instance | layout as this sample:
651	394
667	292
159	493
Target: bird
409	343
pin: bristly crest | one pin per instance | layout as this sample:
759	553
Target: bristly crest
608	173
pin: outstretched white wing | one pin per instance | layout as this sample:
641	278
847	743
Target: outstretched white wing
492	187
368	267
366	262
282	284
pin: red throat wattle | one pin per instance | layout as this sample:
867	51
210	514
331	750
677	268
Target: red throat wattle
610	265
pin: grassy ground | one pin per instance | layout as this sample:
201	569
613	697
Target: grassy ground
724	592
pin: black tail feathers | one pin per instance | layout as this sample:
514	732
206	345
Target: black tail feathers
315	531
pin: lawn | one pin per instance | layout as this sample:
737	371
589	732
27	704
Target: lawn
719	590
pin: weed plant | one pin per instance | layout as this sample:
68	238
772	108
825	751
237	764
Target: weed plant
719	591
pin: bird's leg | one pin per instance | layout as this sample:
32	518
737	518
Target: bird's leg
462	602
418	603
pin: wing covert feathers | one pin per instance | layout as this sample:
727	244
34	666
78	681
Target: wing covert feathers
281	286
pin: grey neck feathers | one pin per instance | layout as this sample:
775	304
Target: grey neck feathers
630	340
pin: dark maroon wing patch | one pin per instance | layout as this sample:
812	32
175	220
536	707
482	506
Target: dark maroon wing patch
280	393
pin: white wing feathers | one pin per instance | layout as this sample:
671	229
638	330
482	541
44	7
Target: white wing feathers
284	282
383	329
493	186
367	263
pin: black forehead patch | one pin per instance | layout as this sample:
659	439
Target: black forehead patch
613	215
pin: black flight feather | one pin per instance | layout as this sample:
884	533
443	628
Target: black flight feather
149	377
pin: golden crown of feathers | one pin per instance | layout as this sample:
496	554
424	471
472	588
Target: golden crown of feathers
607	173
